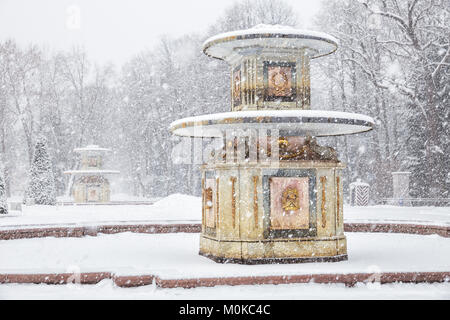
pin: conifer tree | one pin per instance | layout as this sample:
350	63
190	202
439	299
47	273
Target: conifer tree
42	183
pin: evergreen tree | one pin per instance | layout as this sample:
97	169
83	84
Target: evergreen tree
3	203
42	183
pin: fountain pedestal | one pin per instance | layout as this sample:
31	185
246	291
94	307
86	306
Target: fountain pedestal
274	196
254	213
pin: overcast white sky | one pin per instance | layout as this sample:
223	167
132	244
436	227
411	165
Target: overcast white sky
114	30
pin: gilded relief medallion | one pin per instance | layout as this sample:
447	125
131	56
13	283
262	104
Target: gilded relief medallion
289	203
290	199
279	81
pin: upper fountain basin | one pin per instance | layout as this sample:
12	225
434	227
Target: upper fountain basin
280	38
316	123
91	148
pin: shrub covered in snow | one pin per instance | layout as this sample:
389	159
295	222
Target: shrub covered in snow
41	186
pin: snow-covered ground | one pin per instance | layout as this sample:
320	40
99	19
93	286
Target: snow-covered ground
178	208
175	256
107	290
114	197
438	216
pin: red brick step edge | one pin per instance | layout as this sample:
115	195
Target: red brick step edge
58	232
350	279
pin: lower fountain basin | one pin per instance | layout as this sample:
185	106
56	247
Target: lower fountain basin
316	123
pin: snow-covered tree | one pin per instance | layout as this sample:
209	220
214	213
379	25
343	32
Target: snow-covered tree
3	203
42	183
20	70
392	64
248	13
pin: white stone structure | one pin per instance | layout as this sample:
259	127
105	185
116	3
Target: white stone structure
271	193
91	184
359	193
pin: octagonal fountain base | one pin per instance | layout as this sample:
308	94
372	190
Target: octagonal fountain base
226	246
255	213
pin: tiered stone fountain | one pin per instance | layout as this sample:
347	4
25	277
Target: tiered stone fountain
272	194
91	184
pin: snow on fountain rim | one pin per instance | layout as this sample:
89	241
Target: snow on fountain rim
91	172
317	123
273	32
274	29
275	114
91	147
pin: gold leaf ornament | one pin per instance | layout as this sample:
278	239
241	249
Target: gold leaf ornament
280	81
208	198
290	199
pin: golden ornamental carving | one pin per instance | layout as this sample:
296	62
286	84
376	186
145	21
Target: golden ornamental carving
323	181
255	200
338	198
310	150
208	198
290	199
280	82
237	87
233	200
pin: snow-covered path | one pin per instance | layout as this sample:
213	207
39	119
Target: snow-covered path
179	208
438	216
175	256
107	290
